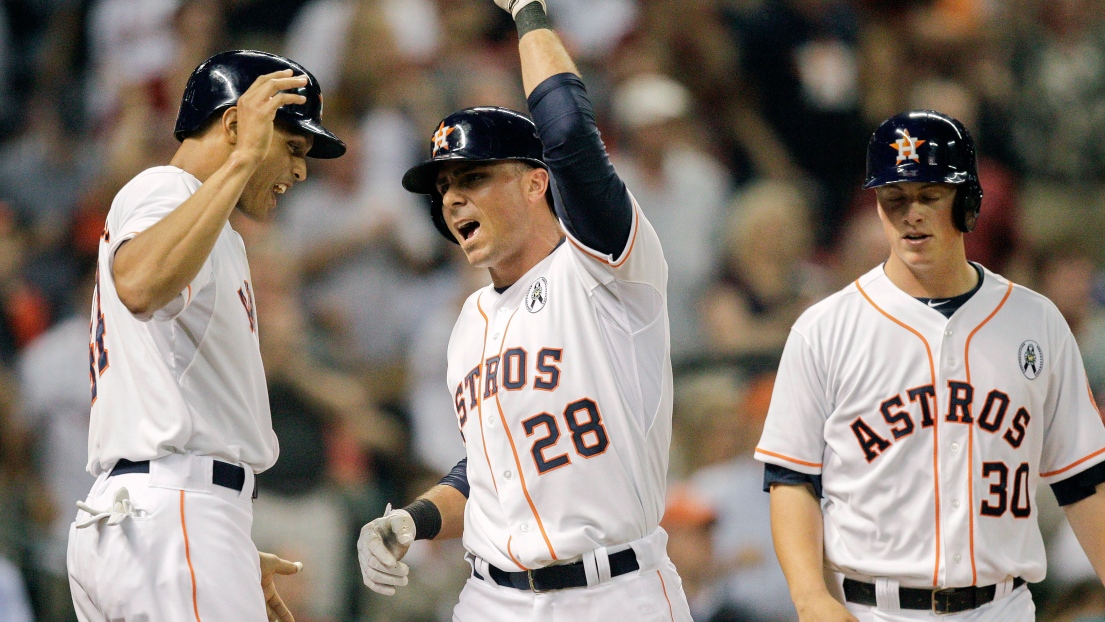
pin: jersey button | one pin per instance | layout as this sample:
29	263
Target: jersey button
955	503
955	446
495	336
524	527
507	474
951	362
490	420
948	333
958	558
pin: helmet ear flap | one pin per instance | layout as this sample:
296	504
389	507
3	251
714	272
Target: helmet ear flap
439	218
968	202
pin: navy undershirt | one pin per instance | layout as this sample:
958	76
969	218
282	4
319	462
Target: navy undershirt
1070	490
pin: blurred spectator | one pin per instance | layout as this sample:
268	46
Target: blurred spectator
14	605
592	28
862	246
53	378
1080	602
728	419
768	278
1057	120
801	57
436	437
1065	272
24	310
131	42
362	243
690	522
5	72
681	189
322	30
299	513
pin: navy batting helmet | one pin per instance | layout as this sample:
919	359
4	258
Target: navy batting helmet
481	134
927	146
220	80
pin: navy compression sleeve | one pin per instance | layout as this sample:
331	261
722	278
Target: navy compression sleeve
593	204
458	478
775	474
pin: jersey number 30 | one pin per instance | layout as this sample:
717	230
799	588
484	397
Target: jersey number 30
584	422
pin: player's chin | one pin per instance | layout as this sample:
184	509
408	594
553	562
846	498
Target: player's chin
258	208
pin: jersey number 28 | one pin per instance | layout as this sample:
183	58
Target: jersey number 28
584	422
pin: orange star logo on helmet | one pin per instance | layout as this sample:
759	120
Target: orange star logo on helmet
441	137
907	147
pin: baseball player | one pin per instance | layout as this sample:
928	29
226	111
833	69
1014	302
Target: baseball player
560	369
180	414
917	409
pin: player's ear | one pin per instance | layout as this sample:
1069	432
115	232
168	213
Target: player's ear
537	182
230	124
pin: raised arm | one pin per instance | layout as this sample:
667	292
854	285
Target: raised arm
594	204
154	267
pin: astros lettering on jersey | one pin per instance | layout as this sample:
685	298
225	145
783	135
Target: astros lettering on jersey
170	386
562	389
937	429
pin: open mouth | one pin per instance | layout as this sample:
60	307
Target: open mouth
916	237
280	188
467	228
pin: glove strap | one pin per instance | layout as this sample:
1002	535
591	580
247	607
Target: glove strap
531	17
427	519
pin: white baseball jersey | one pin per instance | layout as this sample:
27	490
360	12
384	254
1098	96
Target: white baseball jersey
188	379
931	434
563	392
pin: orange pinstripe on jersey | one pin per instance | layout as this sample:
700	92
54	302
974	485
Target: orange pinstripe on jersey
188	557
632	241
971	432
1074	464
514	451
509	539
479	394
788	458
665	588
935	425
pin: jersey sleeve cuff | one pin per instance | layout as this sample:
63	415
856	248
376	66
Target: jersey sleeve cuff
1078	487
775	474
795	464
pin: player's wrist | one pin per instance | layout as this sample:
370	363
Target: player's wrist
426	517
530	17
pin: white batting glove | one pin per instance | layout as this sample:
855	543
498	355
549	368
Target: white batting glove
382	543
513	6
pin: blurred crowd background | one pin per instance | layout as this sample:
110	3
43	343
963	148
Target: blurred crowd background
739	125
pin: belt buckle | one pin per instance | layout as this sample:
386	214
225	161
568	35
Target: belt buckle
955	600
532	586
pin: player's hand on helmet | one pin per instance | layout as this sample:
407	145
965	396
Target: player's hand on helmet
271	565
823	608
513	6
382	543
256	110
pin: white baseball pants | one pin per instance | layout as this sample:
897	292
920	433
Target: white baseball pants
180	553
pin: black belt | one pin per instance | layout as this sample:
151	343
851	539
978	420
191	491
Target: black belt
948	600
560	577
223	474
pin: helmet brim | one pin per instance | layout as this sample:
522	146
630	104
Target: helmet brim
326	145
422	178
915	174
